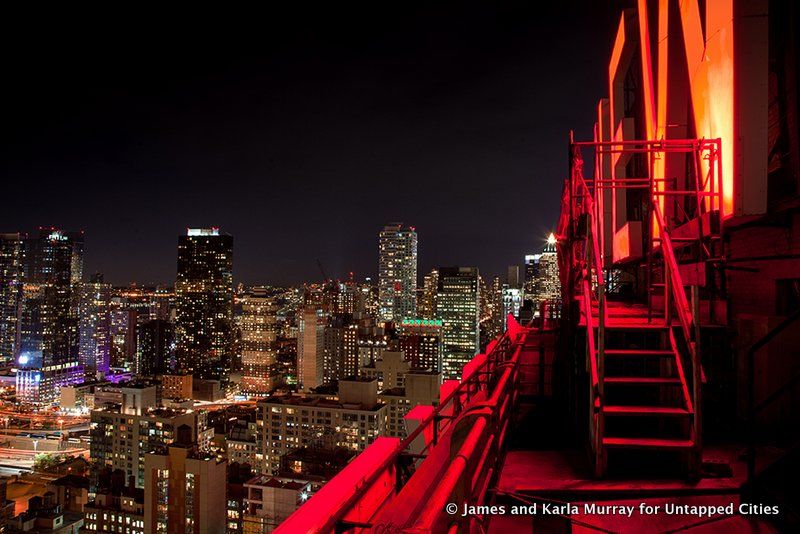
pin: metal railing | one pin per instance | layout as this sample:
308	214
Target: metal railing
492	378
582	248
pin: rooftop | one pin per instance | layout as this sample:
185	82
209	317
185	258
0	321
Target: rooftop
267	481
316	402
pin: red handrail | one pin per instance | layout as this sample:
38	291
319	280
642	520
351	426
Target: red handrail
676	283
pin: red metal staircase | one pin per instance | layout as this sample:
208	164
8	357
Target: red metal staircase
643	355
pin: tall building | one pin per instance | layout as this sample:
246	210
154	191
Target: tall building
127	423
512	302
421	342
259	327
349	351
123	335
94	326
155	341
47	354
290	422
397	272
184	491
457	306
367	299
310	347
347	294
494	326
513	278
546	285
531	274
334	348
427	301
53	267
12	269
204	314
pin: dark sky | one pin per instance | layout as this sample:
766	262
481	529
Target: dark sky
300	132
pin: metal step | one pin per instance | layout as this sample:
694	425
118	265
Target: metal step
646	410
653	353
642	380
648	443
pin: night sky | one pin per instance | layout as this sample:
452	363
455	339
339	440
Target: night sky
301	132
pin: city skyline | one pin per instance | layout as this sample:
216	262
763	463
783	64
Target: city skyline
540	244
411	268
354	117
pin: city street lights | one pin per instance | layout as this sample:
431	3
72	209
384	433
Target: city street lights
35	445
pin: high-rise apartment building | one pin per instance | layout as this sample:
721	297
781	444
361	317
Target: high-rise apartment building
290	421
546	284
333	347
531	275
310	347
127	423
204	313
184	491
155	341
457	306
496	322
397	272
421	342
349	351
47	354
348	296
512	302
12	269
49	327
259	328
94	326
123	335
427	301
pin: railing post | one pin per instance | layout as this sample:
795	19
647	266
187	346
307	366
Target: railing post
697	383
667	289
601	420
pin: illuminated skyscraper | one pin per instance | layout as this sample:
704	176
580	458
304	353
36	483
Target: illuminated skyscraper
123	335
397	272
512	301
531	274
155	341
12	264
421	342
310	347
47	353
54	264
427	302
94	325
544	282
259	332
457	306
204	313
